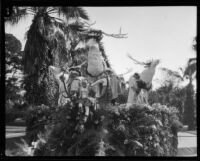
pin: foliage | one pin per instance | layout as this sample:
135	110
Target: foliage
182	98
122	98
60	131
12	44
194	46
13	62
189	105
171	77
145	130
51	41
36	118
13	113
46	42
195	109
15	104
170	96
190	70
113	131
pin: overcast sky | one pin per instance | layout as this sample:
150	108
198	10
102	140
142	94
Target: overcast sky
164	33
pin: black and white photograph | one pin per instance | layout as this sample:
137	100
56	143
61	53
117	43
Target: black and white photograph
101	81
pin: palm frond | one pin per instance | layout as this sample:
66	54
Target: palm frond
194	46
34	9
73	31
191	68
75	27
42	10
82	13
192	60
51	9
36	46
72	12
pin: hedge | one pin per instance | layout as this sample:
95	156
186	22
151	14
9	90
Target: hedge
141	130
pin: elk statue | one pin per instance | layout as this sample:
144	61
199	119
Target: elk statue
140	84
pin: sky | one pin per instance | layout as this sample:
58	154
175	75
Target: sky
164	33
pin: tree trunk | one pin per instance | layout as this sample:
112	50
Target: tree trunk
189	106
41	89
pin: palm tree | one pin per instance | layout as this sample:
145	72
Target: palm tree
46	32
190	70
194	46
46	43
189	104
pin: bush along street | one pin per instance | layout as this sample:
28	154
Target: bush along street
142	130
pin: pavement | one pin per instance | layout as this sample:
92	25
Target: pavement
187	143
13	135
15	131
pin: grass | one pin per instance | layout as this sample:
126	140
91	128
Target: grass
11	147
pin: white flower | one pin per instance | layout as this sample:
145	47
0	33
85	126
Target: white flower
34	143
121	127
105	131
138	143
159	122
126	141
102	118
29	151
153	127
68	117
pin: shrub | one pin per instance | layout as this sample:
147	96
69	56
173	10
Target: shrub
122	98
110	131
36	119
146	131
13	113
169	96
